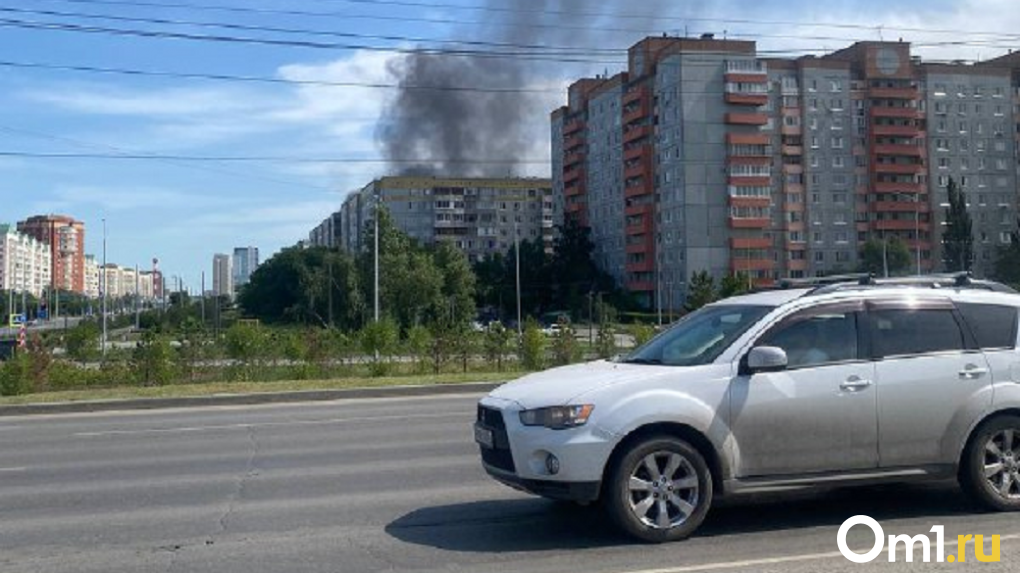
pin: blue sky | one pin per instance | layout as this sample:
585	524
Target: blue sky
185	212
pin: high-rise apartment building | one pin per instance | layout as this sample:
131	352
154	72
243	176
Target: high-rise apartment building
25	263
223	275
705	156
91	277
246	260
479	216
66	239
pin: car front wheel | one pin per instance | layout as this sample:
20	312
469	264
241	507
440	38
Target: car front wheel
991	468
660	490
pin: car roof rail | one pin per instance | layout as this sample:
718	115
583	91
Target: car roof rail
854	278
957	281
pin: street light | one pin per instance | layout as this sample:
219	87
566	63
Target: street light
105	287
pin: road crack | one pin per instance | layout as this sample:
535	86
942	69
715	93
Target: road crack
249	473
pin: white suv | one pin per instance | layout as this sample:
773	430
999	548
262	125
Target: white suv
837	385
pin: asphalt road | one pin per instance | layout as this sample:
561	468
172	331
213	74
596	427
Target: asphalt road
378	485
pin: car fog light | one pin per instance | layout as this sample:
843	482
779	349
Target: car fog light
552	463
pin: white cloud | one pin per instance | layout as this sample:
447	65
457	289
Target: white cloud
129	199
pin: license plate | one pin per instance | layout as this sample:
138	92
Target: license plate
484	437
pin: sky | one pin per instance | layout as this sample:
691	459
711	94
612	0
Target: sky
183	212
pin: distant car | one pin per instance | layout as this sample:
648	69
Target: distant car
552	329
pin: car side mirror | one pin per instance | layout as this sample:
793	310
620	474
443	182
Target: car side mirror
765	359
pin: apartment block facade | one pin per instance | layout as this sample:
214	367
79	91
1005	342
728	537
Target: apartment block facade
66	239
246	260
223	275
479	216
25	263
705	156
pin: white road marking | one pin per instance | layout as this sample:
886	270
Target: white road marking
12	470
327	421
722	565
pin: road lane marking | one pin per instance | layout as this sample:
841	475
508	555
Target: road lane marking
12	470
187	429
745	564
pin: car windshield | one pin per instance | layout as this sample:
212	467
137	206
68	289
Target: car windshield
700	337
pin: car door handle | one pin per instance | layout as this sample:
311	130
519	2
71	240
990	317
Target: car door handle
855	384
972	372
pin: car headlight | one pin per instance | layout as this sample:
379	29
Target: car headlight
557	417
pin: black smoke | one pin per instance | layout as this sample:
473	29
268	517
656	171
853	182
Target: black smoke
446	131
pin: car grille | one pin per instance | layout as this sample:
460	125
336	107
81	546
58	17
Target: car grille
499	455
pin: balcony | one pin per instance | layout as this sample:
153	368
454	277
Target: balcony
749	201
744	265
900	168
574	174
636	113
748	160
749	180
903	93
793	150
899	130
746	77
748	139
901	150
635	133
637	152
900	225
756	119
747	99
750	223
571	159
634	95
899	207
646	266
898	187
572	142
896	112
640	286
573	126
752	243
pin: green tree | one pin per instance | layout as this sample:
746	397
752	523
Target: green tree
876	254
734	284
152	359
247	344
1007	261
958	238
605	343
532	347
15	378
419	344
82	341
379	340
700	291
565	347
497	344
642	333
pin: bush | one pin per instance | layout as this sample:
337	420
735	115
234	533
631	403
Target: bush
82	342
565	347
532	347
419	345
247	344
152	360
14	376
497	344
379	339
605	344
642	333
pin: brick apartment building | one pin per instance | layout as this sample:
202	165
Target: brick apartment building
705	156
66	239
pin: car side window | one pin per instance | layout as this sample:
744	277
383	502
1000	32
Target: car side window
910	332
815	338
994	326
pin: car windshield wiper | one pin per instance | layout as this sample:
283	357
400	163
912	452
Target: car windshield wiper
642	361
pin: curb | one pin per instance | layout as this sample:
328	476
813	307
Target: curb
245	399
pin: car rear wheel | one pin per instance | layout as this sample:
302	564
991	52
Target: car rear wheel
660	490
991	468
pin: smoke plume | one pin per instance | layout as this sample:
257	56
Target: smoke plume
451	132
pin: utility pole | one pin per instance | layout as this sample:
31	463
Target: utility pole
329	289
917	231
203	299
517	262
104	289
375	237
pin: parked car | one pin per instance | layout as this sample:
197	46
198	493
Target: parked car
839	385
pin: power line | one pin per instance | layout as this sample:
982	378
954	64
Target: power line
261	79
265	158
305	31
66	27
615	16
121	151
